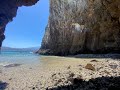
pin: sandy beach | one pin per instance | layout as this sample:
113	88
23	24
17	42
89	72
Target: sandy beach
56	72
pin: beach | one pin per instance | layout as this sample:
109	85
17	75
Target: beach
56	71
59	44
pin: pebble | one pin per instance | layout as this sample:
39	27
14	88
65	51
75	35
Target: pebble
90	67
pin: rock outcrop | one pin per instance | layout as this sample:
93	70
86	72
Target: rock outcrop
82	26
8	10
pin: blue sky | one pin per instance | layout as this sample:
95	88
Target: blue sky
27	29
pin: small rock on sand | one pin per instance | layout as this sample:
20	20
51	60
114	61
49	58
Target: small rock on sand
107	72
90	67
93	61
68	67
113	66
71	74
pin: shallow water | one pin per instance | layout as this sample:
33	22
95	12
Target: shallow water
13	58
19	57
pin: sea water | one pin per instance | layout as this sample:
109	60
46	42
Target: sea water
21	57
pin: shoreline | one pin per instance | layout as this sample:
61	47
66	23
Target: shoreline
55	72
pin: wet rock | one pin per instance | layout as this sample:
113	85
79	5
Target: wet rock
90	67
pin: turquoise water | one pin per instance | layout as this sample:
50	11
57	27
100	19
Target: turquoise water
19	57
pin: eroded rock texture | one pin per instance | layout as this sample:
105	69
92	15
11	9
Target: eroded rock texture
8	10
82	26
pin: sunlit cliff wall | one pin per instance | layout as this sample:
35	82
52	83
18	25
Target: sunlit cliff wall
82	26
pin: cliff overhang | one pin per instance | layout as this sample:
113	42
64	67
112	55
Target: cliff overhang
8	10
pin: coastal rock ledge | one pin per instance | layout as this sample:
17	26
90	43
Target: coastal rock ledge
82	26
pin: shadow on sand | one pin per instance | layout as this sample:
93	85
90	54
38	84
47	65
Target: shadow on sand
112	56
101	83
3	85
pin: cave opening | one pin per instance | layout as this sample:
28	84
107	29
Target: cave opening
28	27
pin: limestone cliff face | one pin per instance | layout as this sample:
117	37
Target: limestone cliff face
82	26
8	10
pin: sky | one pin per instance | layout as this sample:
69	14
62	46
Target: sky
27	29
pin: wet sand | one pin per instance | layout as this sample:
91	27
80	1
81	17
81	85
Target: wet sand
57	71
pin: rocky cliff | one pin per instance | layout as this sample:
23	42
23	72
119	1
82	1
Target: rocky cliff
8	10
82	26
